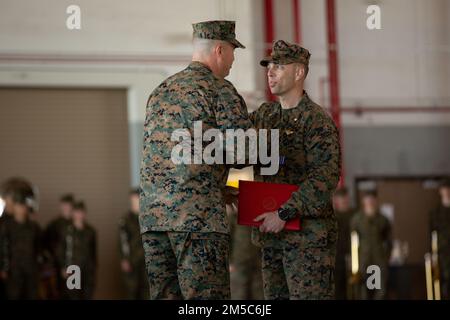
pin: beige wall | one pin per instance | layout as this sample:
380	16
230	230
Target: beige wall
72	140
406	63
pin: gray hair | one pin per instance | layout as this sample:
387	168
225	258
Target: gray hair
204	46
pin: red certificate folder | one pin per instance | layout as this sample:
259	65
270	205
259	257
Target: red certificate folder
256	198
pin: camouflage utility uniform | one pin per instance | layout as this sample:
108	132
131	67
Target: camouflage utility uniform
131	249
300	264
183	218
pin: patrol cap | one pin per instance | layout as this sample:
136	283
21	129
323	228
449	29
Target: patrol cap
23	192
9	186
68	198
284	52
217	30
80	206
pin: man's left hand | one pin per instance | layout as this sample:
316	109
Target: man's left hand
271	222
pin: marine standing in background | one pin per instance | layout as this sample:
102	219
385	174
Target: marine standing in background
375	243
440	222
54	235
20	246
132	252
79	247
56	228
344	214
6	195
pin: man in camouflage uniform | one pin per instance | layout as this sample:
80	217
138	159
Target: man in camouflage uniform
79	247
375	243
7	191
245	263
298	264
56	228
183	218
20	245
54	235
344	213
131	251
6	195
440	222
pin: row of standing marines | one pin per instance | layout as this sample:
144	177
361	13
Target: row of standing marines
245	258
33	262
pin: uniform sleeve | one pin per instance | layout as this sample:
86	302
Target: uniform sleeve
94	248
61	250
387	235
124	240
258	116
323	165
231	110
39	244
47	238
231	113
354	223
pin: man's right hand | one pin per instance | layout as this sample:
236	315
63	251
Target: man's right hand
3	275
231	196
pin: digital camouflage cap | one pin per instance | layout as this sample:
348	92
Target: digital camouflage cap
285	53
217	30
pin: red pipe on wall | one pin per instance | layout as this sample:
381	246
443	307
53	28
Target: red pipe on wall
333	73
297	15
269	22
333	62
269	33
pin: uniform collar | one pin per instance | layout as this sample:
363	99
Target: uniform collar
301	104
304	100
198	66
